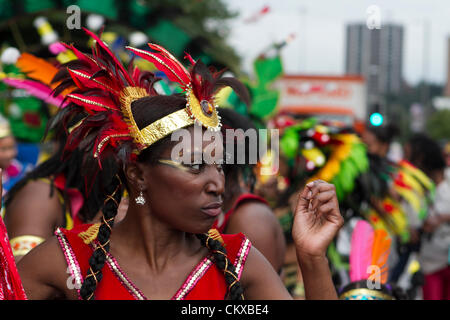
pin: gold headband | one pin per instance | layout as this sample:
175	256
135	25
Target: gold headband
202	113
364	294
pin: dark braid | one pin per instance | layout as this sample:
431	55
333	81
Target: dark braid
98	258
235	290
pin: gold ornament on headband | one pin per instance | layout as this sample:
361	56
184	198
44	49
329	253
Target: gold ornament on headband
199	86
202	112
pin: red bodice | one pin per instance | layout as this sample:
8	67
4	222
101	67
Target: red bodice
205	282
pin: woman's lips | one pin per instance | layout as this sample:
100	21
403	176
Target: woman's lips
213	209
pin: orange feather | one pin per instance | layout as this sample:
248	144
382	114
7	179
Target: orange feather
380	252
37	68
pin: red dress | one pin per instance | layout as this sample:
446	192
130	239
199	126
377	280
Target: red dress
205	282
222	225
10	283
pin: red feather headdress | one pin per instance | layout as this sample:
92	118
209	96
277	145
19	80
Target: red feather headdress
105	90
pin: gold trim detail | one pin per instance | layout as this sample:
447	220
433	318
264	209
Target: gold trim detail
23	244
202	117
214	234
164	126
367	294
90	234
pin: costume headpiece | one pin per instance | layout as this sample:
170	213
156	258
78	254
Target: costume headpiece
106	91
368	264
323	150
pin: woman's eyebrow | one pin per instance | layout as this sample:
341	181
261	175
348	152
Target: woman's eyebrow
173	164
195	157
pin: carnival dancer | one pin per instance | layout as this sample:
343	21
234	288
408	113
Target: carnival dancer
155	252
400	195
435	241
57	196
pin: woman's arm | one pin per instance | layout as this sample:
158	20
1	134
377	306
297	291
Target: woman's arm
43	272
316	222
260	281
32	212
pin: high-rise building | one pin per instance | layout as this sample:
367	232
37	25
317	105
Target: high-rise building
376	54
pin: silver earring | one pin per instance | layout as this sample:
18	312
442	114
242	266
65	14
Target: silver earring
140	199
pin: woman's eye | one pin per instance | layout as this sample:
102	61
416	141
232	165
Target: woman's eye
200	167
194	167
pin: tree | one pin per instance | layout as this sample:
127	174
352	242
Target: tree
198	27
438	125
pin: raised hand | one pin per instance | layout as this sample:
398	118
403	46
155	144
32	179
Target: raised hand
317	219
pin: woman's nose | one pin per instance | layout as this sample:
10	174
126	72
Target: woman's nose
216	180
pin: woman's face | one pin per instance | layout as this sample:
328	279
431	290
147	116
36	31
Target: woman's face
185	196
8	151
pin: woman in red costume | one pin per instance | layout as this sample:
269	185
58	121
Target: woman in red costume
164	247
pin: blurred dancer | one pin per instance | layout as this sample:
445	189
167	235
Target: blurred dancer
243	210
427	155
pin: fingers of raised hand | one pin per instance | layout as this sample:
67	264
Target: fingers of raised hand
322	198
318	187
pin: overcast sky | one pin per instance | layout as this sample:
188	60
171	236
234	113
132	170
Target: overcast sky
319	26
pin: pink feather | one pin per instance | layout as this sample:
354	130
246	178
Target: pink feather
361	250
36	89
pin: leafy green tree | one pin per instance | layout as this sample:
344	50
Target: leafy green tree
438	125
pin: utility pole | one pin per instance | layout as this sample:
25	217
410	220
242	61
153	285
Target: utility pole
302	33
425	65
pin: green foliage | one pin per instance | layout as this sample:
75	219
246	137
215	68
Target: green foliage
438	125
194	26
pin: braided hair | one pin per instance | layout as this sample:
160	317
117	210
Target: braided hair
98	258
235	290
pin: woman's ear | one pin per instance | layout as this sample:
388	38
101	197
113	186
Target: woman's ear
134	173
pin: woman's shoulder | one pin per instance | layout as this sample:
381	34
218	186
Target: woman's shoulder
237	247
249	198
